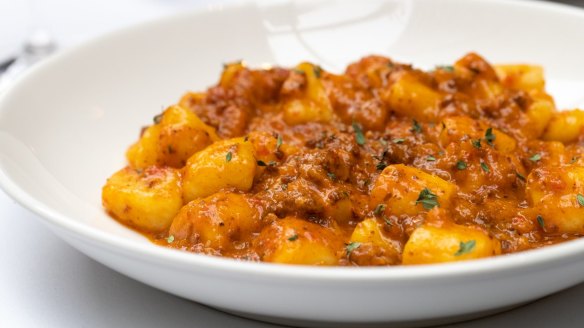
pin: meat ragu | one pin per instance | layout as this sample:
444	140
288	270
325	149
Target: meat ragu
382	165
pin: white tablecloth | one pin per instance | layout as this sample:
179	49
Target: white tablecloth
46	283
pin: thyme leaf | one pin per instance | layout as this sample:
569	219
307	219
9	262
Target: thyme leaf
428	199
465	247
359	137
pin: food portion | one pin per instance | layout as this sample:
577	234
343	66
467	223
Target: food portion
384	164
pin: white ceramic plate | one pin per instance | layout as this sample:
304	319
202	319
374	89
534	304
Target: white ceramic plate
64	128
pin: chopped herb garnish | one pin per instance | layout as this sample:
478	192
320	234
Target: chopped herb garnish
428	199
535	158
520	176
416	127
298	71
157	119
540	221
448	68
228	156
387	221
317	71
293	237
476	143
465	248
574	160
381	165
332	176
485	167
398	140
359	137
430	158
278	142
352	246
461	165
170	239
236	62
284	186
490	137
380	208
383	142
580	199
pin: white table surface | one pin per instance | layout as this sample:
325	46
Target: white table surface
46	283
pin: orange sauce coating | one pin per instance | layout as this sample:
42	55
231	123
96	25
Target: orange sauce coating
469	135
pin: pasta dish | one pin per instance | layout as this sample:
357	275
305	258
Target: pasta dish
384	164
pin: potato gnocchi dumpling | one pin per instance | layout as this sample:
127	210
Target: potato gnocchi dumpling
311	104
216	221
565	127
457	128
177	134
296	241
407	190
540	112
380	248
450	243
521	77
410	97
383	164
224	164
557	194
146	199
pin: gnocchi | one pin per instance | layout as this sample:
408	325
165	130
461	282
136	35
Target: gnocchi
429	244
224	164
146	199
176	135
380	165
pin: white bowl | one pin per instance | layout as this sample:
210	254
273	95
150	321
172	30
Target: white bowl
65	126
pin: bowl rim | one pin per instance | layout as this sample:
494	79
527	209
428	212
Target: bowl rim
186	260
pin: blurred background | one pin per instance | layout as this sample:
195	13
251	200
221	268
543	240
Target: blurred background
69	22
571	2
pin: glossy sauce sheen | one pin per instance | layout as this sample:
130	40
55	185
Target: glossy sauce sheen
391	165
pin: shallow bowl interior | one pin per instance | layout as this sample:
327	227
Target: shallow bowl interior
65	126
